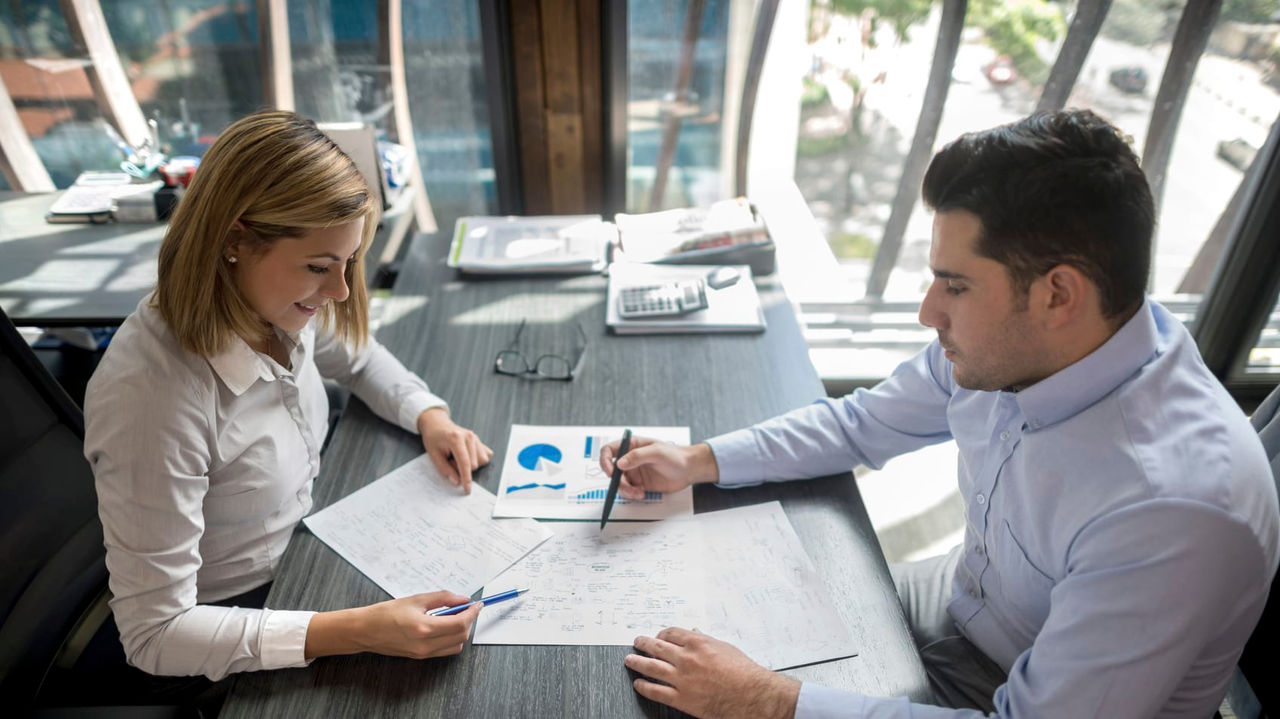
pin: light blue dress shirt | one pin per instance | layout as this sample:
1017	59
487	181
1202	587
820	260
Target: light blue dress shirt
1121	530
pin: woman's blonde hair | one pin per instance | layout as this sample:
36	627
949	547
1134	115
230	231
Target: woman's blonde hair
279	176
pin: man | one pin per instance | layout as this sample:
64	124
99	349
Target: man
1121	519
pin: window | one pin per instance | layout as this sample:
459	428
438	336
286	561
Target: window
867	80
676	67
1264	359
47	80
339	76
193	64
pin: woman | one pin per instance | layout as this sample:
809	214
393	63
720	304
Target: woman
204	420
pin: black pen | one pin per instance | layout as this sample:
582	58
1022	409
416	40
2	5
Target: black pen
616	479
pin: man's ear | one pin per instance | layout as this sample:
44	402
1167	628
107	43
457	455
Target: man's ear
1064	294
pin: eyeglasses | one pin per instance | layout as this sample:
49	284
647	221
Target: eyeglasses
548	366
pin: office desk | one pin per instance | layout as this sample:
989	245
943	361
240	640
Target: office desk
84	275
450	331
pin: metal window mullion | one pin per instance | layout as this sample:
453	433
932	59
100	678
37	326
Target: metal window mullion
393	52
277	57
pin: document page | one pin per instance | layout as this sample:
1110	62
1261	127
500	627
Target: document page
740	575
589	587
772	604
412	531
554	473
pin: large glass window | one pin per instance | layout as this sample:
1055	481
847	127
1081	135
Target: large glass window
677	56
47	79
868	77
1264	359
194	64
340	77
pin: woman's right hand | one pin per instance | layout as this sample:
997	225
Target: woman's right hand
652	465
397	628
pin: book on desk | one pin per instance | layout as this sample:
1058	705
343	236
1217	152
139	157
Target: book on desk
731	308
552	244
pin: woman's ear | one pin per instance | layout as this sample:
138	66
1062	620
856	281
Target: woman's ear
231	253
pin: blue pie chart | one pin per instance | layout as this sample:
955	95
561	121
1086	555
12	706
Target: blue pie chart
538	457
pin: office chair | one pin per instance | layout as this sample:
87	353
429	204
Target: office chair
53	574
1254	662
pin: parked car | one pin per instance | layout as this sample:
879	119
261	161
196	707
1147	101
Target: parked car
1000	71
1238	152
1129	79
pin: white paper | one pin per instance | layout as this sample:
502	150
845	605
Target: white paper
412	531
755	588
554	473
770	602
589	587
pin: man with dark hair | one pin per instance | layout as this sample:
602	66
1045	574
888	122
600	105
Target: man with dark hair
1121	520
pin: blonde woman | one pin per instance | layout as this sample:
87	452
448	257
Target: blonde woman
205	418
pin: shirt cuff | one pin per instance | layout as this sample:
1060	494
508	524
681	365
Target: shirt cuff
416	404
284	639
736	459
819	702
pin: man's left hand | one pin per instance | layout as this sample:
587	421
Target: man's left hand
706	677
455	451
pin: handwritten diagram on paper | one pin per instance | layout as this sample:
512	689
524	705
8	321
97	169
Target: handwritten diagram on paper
412	531
773	605
554	473
589	587
740	575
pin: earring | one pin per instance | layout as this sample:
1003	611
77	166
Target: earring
233	260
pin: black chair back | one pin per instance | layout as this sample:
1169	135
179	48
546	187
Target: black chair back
53	564
1255	662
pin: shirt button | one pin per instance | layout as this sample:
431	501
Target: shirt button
982	499
978	550
1004	435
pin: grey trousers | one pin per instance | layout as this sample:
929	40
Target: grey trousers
960	675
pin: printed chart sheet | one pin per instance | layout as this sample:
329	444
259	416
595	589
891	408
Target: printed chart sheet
554	473
412	531
740	575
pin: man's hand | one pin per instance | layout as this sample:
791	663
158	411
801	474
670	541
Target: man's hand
655	466
706	677
455	451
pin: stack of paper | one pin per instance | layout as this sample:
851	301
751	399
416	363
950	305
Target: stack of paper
655	236
740	575
412	531
550	244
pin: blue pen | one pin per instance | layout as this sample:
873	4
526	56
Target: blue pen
502	597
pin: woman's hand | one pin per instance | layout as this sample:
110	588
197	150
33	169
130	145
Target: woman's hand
396	628
455	451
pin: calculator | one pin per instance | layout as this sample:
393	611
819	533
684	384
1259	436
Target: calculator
666	299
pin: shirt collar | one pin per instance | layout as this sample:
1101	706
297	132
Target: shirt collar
1077	386
239	366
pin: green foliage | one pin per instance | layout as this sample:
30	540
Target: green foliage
1140	22
848	244
1015	27
814	94
901	14
821	146
1251	11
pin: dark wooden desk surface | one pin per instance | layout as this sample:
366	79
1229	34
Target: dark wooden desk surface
85	275
449	331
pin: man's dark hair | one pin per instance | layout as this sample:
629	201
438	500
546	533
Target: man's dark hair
1053	188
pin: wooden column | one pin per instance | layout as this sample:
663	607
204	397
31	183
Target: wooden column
556	53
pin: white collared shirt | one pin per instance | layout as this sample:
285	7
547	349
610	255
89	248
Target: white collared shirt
203	468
